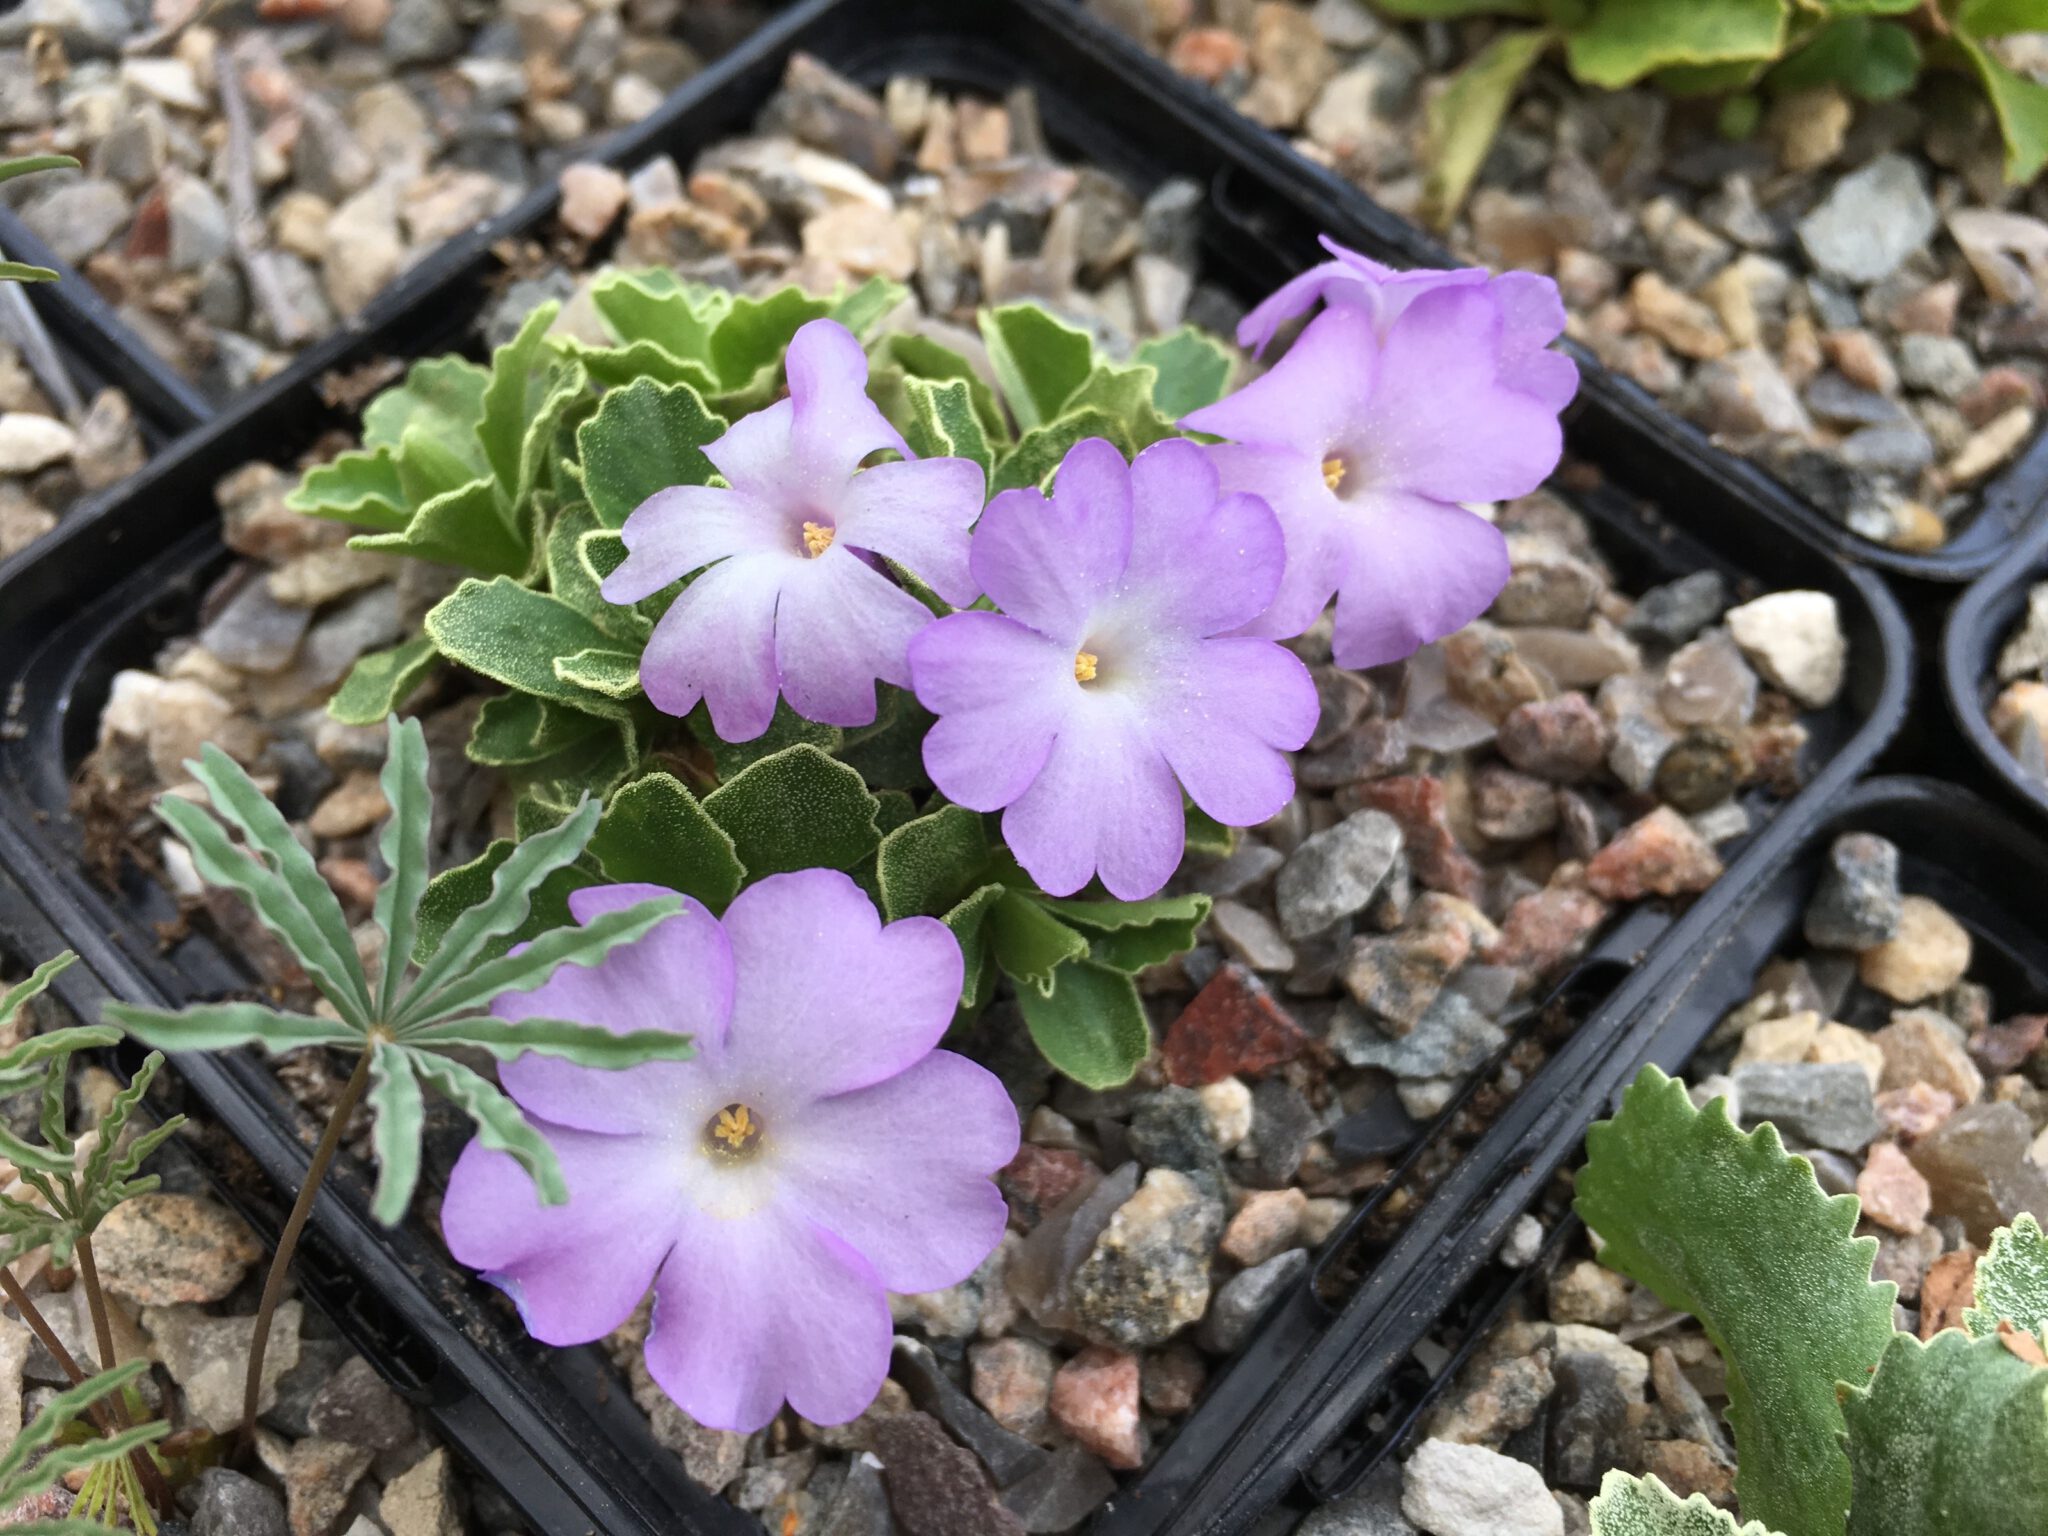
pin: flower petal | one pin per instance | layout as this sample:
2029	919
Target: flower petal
901	1170
1226	731
765	1308
1048	562
1419	570
682	529
1442	422
1311	526
1319	393
1533	317
918	513
1199	565
1105	804
836	425
756	454
717	643
576	1271
842	624
826	999
1000	691
1297	296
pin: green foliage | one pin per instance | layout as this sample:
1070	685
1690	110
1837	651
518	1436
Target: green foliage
1466	115
1643	1506
404	1024
2012	1282
49	1450
1735	1231
28	165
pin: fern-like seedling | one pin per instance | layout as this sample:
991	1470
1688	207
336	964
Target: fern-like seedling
402	1026
44	1454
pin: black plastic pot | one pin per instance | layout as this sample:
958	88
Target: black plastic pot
1955	847
552	1426
1977	629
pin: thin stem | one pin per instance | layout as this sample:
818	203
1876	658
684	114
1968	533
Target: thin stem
96	1301
40	1327
288	1240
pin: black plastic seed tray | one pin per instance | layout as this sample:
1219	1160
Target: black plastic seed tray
552	1426
1954	846
1978	627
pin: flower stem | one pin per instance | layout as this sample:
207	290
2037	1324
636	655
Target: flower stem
288	1240
40	1327
102	1326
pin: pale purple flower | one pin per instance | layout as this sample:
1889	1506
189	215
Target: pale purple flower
1532	314
815	1154
791	598
1366	439
1110	681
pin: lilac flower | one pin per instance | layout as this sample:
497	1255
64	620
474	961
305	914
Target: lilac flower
1383	417
815	1154
1532	314
791	598
1110	682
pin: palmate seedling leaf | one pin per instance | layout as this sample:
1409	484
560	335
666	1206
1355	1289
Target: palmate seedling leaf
29	165
798	809
1735	1231
223	1026
1041	450
942	423
582	944
655	831
1192	369
355	487
1624	40
2022	109
644	438
1090	1026
1950	1438
933	863
1642	1506
403	846
500	1125
1464	118
513	634
455	891
379	682
2012	1281
1038	360
398	1116
468	526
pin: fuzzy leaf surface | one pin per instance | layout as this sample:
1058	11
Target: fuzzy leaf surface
2012	1281
1090	1026
1643	1506
798	809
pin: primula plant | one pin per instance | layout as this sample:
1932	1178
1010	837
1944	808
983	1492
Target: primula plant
1842	1424
1737	49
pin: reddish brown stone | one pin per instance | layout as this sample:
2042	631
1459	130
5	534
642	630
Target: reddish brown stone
1661	855
1039	1178
1234	1027
1687	1467
1095	1399
1416	802
1950	1286
1997	391
1545	929
1915	1110
1208	54
2002	1047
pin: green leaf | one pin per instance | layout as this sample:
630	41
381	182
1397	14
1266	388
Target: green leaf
37	983
444	397
615	367
748	343
588	1045
613	673
786	728
23	272
501	911
890	752
654	307
398	1114
507	402
1040	451
1950	1438
499	1124
920	357
467	526
1030	943
277	878
1207	837
2012	1280
573	536
1038	360
1733	1230
655	831
644	438
2022	108
513	635
1131	935
1192	369
223	1026
1464	117
1439	10
454	891
404	849
1625	40
355	487
860	310
1090	1026
30	165
1876	60
430	465
1642	1506
583	944
943	424
1986	18
19	1479
516	729
382	680
931	864
798	809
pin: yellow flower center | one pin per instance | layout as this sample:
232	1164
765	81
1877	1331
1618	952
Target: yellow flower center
733	1133
1084	666
817	538
1333	472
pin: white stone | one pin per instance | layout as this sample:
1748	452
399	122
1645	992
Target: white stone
29	442
1229	1103
1466	1490
1795	640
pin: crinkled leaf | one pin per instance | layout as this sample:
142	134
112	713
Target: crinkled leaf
1040	451
1090	1026
515	729
654	306
861	309
748	343
398	1115
1123	392
382	680
941	423
355	487
1109	916
588	1045
1624	40
1030	943
2012	1281
467	526
508	398
404	849
601	669
1950	1438
1876	60
656	831
786	728
920	357
1136	949
583	944
1192	369
513	635
615	367
1465	116
32	1159
443	396
429	465
897	809
1038	360
20	1480
798	809
223	1026
35	985
1642	1506
578	582
499	1124
2022	108
1737	1232
644	438
595	766
933	863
